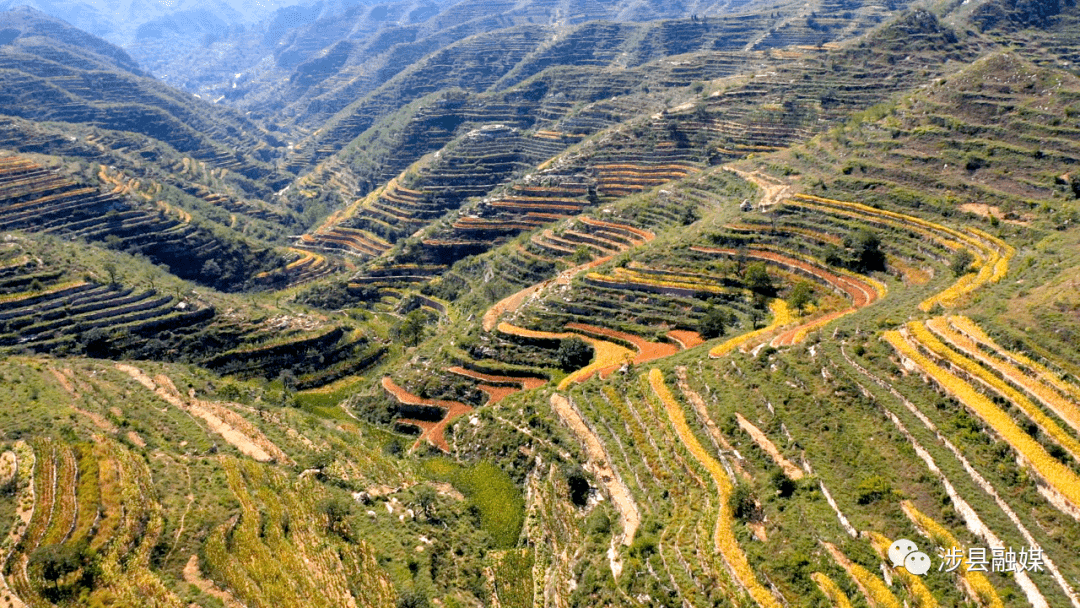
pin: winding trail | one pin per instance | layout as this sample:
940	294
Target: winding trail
773	190
193	576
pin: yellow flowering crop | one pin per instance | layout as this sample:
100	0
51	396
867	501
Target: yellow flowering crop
918	589
977	581
1053	472
1046	423
877	594
831	590
781	316
724	535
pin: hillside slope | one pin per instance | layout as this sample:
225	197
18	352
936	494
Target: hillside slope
664	309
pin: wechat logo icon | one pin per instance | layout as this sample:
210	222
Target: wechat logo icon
905	553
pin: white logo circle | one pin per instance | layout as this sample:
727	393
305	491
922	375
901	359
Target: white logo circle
917	563
899	550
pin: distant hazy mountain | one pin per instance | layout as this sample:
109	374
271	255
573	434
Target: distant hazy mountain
122	22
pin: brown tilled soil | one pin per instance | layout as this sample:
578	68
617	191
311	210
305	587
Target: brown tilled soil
599	462
242	435
763	442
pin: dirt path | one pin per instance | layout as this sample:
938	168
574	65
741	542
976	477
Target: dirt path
647	351
498	387
719	441
600	466
249	445
525	382
686	339
64	379
193	576
793	472
774	191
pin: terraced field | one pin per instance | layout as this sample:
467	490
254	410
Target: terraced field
501	305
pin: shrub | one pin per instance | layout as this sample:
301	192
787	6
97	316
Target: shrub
784	485
578	485
801	296
573	354
868	254
413	599
872	489
758	280
742	503
411	330
712	324
582	255
961	262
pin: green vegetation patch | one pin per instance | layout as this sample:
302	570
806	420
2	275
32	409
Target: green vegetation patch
490	490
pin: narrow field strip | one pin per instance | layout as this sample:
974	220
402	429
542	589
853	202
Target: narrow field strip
976	583
1058	476
251	443
1048	425
966	512
976	334
724	535
920	593
873	588
975	476
991	253
781	317
831	590
609	356
600	463
731	465
1066	409
862	291
23	462
647	351
793	472
433	431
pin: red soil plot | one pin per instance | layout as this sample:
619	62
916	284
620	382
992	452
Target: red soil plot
523	382
647	351
686	338
434	432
